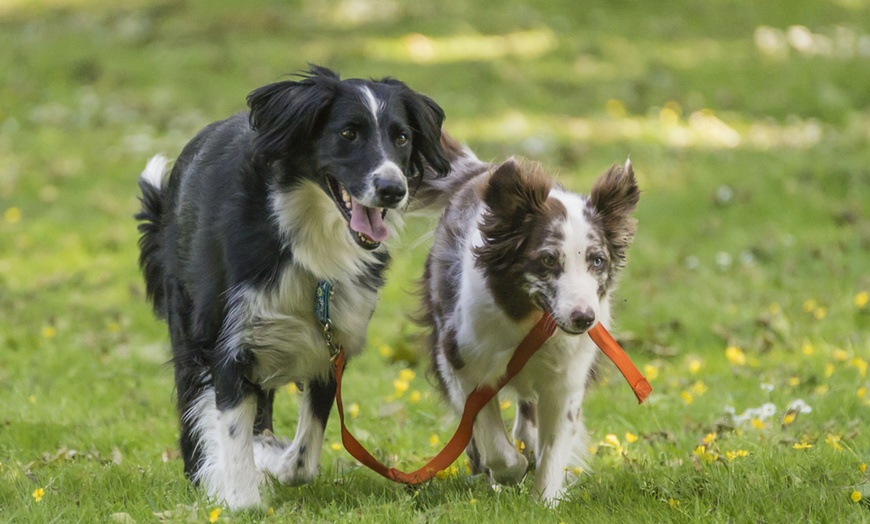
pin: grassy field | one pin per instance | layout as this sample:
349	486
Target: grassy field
748	124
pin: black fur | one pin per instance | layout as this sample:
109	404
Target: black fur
209	229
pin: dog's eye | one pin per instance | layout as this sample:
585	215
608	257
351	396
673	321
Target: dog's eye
598	262
402	139
548	261
348	134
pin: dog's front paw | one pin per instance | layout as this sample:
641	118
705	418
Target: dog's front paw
268	450
509	470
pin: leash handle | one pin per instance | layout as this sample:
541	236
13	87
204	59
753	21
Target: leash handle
478	398
614	352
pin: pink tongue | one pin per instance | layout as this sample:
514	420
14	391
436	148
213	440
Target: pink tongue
368	221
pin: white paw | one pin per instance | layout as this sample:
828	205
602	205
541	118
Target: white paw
268	450
509	470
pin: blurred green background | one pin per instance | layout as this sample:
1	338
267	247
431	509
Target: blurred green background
748	124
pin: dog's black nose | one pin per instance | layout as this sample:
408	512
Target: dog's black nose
389	191
582	318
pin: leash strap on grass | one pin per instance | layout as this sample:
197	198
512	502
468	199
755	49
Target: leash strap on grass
614	352
478	398
476	401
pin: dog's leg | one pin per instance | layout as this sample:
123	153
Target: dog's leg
234	476
497	452
561	432
299	463
526	429
263	421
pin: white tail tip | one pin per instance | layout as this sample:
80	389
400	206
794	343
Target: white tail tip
155	170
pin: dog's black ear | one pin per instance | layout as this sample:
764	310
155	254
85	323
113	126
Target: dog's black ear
287	114
425	117
614	197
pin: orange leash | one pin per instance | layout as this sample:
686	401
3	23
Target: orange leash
614	352
478	398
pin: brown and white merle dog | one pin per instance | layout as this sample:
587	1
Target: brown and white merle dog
510	245
257	209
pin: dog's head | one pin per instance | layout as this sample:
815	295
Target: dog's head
365	142
546	248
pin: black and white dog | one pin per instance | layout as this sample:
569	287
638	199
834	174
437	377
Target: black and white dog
510	245
257	210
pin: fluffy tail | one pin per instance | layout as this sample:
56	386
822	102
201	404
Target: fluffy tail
434	192
150	219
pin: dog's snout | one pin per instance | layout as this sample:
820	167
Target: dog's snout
389	191
582	318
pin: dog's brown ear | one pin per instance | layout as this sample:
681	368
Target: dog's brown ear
513	191
614	197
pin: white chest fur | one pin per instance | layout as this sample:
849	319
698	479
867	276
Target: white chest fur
279	327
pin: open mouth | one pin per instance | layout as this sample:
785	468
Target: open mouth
366	224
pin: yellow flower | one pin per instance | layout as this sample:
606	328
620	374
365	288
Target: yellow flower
841	355
353	410
694	365
735	356
810	304
861	365
335	446
829	370
651	371
820	313
270	512
862	391
757	423
687	397
807	349
401	386
611	440
407	375
862	467
32	399
452	471
861	299
774	308
292	388
673	503
48	332
834	442
505	404
414	397
707	456
577	470
12	215
709	438
434	439
630	437
385	351
794	381
699	388
821	389
855	496
802	445
789	417
38	493
214	514
520	445
738	453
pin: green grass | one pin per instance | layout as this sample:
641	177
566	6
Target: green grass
754	233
